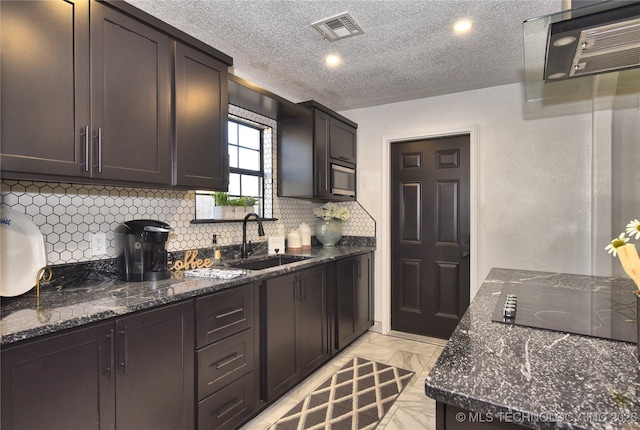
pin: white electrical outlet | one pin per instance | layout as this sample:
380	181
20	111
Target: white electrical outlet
98	243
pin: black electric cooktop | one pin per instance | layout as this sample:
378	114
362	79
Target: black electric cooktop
606	315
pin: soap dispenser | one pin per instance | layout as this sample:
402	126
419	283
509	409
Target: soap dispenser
216	256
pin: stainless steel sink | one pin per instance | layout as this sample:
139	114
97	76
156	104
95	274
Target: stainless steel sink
265	263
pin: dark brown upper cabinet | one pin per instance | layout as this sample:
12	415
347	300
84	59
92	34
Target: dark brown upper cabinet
342	141
44	87
201	100
130	99
317	155
87	96
103	113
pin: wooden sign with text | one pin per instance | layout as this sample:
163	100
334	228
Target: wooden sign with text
191	261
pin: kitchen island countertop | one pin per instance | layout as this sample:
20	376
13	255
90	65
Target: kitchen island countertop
28	317
533	377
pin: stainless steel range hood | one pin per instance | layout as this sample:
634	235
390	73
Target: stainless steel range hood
566	52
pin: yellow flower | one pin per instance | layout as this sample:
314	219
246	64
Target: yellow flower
616	243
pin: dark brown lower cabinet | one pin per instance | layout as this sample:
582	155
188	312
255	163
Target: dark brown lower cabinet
155	369
139	371
294	337
61	382
354	314
132	373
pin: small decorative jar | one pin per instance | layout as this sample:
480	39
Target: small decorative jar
328	232
294	240
305	232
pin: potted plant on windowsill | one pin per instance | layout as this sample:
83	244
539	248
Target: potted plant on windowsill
238	208
223	208
243	206
249	204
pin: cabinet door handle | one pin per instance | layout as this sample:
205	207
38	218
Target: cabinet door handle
303	287
99	138
125	358
112	353
85	135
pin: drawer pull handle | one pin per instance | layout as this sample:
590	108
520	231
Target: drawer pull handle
226	326
233	404
226	314
228	360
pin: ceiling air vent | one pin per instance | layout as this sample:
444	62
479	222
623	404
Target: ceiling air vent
338	27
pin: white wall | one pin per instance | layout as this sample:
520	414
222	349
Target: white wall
534	196
626	168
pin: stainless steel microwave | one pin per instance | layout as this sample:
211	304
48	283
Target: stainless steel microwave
343	180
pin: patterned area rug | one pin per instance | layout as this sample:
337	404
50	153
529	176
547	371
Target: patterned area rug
355	398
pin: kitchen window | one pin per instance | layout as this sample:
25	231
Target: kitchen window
246	174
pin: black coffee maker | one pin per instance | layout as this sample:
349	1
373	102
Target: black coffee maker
140	250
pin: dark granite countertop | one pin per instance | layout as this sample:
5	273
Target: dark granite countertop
538	378
57	309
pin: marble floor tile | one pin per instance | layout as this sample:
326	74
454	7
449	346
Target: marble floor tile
414	398
415	362
406	345
416	337
387	417
376	352
405	419
256	424
419	381
342	358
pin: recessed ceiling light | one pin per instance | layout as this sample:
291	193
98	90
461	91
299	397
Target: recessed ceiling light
332	60
462	26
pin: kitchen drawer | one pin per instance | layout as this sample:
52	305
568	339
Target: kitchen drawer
224	362
224	314
228	408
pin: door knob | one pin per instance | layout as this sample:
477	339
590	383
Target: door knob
464	255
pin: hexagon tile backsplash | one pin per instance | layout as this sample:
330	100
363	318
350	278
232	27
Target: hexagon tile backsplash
68	214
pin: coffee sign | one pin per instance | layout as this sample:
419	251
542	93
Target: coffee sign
191	261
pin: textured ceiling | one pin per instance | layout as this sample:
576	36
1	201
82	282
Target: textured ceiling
408	50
